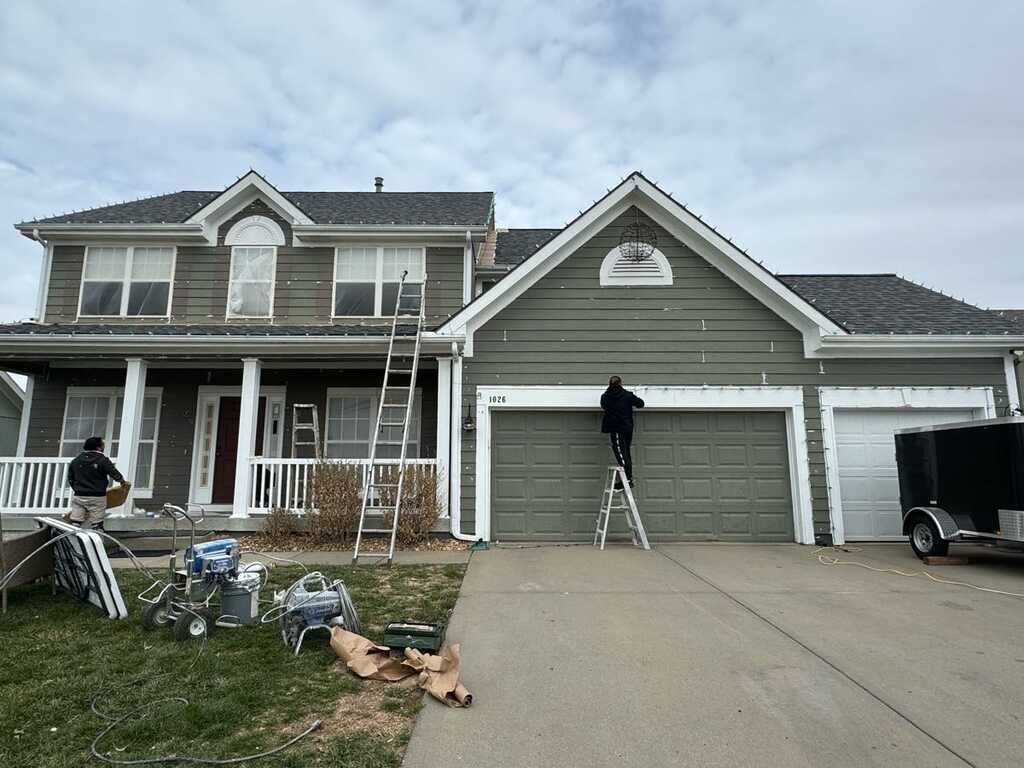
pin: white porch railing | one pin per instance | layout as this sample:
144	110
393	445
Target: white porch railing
34	485
287	483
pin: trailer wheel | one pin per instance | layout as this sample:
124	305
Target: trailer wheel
195	624
155	616
925	539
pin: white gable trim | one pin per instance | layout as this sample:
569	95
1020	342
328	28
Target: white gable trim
250	187
616	269
255	230
636	190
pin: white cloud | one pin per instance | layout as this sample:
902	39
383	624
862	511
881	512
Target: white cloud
848	137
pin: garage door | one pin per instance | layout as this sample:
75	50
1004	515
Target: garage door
868	483
699	475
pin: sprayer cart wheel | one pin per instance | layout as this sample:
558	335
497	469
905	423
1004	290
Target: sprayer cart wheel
155	616
193	624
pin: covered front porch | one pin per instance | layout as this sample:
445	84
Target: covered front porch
217	434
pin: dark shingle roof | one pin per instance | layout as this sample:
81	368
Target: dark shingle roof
517	245
372	208
887	303
158	329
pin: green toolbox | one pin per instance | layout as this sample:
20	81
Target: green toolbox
414	634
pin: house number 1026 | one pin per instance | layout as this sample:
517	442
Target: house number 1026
496	399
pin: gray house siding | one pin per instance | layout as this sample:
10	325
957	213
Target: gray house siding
303	287
704	329
173	470
10	423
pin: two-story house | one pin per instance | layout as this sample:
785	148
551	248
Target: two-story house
185	326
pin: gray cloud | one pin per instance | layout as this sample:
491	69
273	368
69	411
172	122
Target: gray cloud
832	137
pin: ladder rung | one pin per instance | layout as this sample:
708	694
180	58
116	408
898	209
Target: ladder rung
385	555
385	508
376	530
383	485
392	423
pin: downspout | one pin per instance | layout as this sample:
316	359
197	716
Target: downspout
467	269
44	276
1015	357
455	449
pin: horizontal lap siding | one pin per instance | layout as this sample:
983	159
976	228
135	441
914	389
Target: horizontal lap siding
65	282
444	284
568	330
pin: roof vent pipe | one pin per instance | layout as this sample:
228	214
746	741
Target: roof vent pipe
378	183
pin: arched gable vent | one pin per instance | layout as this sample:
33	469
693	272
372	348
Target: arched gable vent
616	269
255	230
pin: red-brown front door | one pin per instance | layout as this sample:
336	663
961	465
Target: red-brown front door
225	457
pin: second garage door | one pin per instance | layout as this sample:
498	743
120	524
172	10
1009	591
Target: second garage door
699	475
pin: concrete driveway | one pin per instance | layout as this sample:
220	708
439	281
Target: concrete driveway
731	655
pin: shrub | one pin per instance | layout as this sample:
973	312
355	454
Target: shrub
336	490
420	508
279	524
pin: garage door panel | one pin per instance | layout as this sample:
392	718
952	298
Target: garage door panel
866	458
700	475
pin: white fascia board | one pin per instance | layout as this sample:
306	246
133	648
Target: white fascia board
246	185
320	235
88	233
978	398
911	345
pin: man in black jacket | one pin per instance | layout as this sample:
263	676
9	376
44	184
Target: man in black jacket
618	405
89	475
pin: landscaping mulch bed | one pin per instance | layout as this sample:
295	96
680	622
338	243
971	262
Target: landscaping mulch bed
297	542
246	692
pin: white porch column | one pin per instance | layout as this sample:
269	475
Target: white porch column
455	447
131	427
444	426
246	434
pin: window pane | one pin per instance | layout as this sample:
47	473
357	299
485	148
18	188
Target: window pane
252	264
351	299
398	260
101	298
105	263
152	263
249	299
148	298
388	297
148	427
144	465
356	264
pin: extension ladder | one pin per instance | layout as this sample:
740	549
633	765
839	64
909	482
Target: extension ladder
313	426
620	497
384	481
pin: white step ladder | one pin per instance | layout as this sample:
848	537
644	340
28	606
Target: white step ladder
615	498
384	481
312	426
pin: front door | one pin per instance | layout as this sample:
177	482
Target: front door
225	458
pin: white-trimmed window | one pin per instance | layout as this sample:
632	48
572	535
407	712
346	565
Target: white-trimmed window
366	278
126	281
96	412
616	269
251	288
351	415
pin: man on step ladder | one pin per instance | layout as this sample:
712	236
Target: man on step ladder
618	404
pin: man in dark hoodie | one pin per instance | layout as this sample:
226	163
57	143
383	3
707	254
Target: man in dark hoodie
89	475
618	405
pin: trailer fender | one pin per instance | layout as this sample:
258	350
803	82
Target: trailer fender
944	521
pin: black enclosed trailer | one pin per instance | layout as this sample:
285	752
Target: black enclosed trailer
962	482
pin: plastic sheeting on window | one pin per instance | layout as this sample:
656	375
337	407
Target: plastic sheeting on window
252	280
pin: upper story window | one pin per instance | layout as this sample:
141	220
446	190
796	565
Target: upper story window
253	242
617	269
126	282
366	278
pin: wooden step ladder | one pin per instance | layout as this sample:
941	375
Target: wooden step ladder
618	494
384	481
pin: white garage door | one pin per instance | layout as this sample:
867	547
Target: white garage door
868	484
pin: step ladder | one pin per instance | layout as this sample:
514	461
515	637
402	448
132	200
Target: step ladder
384	480
310	425
615	498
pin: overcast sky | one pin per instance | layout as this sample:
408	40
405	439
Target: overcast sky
841	137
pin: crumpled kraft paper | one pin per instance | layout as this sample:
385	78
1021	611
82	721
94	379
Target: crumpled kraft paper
437	674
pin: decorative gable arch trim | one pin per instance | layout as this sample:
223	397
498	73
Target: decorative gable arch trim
235	198
616	269
255	230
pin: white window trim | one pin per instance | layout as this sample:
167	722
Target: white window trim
378	281
614	256
980	400
374	395
231	280
127	280
114	393
239	234
789	400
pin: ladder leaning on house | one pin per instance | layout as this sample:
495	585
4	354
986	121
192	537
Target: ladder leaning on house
384	482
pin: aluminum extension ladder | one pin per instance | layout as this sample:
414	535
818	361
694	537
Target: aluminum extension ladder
615	498
384	482
298	426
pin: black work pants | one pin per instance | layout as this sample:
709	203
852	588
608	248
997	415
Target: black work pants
620	448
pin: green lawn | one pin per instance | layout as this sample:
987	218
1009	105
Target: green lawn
246	692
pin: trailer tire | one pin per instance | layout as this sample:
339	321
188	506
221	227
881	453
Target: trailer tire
155	616
925	539
195	624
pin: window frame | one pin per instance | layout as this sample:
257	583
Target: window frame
112	394
378	280
273	285
126	280
374	395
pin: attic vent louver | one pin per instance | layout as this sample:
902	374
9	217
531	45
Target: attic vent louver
619	269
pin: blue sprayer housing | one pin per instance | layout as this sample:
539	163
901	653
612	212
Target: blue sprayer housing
218	557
